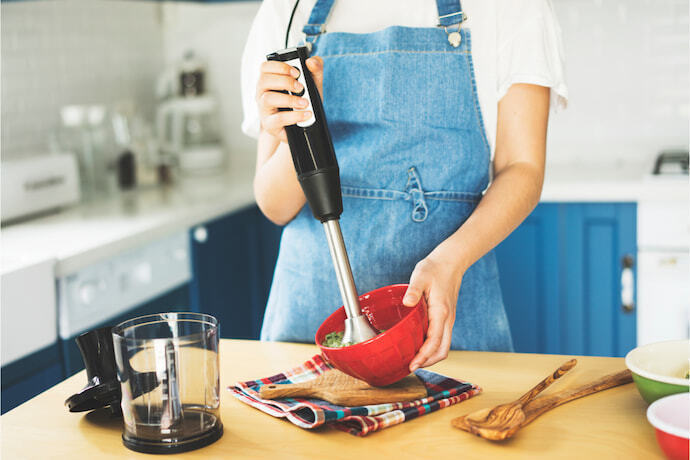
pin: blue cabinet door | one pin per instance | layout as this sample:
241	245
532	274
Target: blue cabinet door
232	262
561	279
25	378
528	269
597	238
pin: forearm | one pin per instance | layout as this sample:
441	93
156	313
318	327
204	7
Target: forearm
512	195
276	188
519	175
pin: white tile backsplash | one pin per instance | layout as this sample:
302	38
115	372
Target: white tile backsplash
216	33
627	66
63	52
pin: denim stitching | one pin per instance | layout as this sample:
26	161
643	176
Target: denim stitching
392	195
458	200
471	75
373	193
372	53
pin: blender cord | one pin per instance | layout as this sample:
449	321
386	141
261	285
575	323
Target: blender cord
287	32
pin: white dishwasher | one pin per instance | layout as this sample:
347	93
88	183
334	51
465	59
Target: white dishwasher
663	235
122	287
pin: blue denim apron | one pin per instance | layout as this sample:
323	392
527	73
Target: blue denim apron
404	116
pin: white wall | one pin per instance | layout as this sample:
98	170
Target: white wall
627	71
216	32
56	53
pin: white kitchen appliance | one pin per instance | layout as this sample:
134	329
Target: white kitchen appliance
104	290
28	321
663	239
188	130
38	184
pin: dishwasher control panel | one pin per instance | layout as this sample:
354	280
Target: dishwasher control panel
112	287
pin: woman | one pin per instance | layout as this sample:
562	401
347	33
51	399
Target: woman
417	132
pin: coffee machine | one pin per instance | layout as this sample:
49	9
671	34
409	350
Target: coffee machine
187	119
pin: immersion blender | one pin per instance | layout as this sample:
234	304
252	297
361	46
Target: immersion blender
317	171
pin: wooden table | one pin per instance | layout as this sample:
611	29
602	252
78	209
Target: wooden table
611	424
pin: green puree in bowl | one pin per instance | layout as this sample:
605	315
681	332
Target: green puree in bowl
335	339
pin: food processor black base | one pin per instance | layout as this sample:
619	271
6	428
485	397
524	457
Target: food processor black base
183	445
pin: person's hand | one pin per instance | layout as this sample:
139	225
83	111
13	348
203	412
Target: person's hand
278	76
437	279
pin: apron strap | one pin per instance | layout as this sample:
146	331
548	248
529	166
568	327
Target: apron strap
449	12
317	20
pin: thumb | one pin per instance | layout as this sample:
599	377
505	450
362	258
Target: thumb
415	291
315	66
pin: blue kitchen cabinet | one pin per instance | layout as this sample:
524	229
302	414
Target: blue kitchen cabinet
233	258
528	268
561	279
29	376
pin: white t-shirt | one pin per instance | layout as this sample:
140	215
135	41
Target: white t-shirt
513	41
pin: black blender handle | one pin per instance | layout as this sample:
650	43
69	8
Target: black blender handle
310	144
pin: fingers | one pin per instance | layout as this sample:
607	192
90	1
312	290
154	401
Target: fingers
276	77
279	67
273	100
315	66
276	122
438	314
441	352
276	82
419	282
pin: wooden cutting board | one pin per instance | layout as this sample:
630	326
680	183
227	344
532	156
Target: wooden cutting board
339	388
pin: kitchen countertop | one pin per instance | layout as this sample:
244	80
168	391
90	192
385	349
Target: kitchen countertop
81	235
610	424
610	183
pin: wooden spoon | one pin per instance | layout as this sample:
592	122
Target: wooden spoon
542	404
502	421
339	388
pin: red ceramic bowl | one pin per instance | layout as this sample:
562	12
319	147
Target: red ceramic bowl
386	358
670	417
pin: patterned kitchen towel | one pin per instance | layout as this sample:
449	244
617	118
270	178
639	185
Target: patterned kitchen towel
310	413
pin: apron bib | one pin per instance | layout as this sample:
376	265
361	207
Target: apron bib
405	121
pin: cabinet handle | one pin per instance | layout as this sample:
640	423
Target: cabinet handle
627	284
200	234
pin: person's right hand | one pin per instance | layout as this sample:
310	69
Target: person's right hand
278	76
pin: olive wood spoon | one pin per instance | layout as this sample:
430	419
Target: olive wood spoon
543	404
502	421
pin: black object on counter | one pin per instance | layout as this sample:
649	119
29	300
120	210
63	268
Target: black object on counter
311	146
679	158
102	388
126	170
192	83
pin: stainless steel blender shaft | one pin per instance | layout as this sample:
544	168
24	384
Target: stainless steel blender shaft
357	327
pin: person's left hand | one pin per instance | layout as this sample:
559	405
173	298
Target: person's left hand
437	279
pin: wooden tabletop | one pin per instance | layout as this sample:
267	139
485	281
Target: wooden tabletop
611	424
